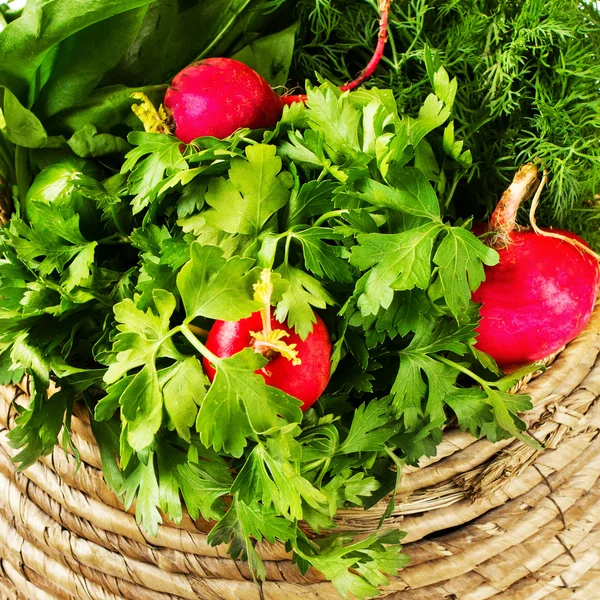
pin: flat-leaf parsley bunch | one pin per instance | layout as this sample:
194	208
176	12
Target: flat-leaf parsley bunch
343	208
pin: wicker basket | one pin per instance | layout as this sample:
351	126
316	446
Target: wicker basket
483	520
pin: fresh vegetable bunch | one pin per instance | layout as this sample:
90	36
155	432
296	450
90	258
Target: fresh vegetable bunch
163	285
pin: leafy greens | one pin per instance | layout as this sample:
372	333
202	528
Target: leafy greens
352	215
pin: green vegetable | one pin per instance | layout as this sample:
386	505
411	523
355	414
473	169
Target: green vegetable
58	185
350	202
527	75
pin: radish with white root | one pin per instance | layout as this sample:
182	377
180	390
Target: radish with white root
541	294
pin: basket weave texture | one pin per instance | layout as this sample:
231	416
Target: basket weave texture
484	520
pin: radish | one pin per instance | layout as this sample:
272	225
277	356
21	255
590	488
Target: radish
217	96
542	292
300	368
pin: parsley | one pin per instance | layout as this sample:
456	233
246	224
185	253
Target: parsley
347	204
254	191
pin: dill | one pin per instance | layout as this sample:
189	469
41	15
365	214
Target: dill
529	86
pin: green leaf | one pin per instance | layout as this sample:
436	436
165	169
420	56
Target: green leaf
461	256
271	474
245	523
444	88
351	488
335	118
410	389
398	261
52	242
28	355
39	425
88	143
313	199
142	485
271	55
358	569
29	47
183	392
106	435
202	485
432	114
76	65
216	288
296	305
22	126
369	428
108	405
107	109
80	269
226	25
472	410
324	260
142	408
164	159
409	192
142	335
240	402
255	190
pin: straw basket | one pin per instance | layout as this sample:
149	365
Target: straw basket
483	520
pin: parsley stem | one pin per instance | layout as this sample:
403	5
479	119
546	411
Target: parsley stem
462	369
330	215
225	29
455	179
198	345
114	240
288	241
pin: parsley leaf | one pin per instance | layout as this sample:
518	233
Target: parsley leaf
460	256
183	393
397	261
271	475
409	388
255	190
313	199
239	402
244	523
57	242
323	259
216	288
357	569
369	429
332	114
142	335
302	294
163	157
142	486
142	407
411	193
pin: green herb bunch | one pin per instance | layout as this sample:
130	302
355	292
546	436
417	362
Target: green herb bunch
349	204
528	76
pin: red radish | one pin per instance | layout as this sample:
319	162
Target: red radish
542	292
217	96
305	381
298	367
